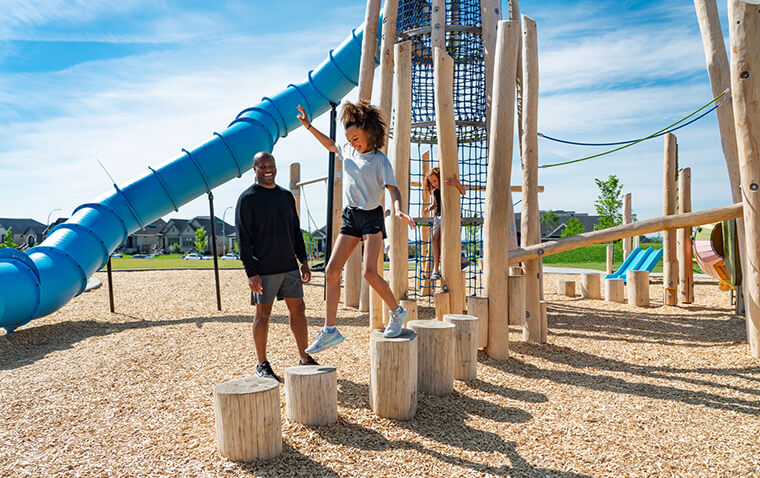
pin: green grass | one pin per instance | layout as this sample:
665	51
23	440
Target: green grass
168	261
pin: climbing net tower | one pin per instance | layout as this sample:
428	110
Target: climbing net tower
464	44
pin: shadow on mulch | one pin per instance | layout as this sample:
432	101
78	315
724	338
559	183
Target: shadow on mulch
27	345
442	420
708	329
290	463
567	356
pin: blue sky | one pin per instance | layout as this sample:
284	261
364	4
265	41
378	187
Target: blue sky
131	83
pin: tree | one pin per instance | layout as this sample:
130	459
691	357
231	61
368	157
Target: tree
573	227
8	239
550	220
176	248
201	240
235	247
609	204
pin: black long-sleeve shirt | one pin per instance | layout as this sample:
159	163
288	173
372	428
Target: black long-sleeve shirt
268	231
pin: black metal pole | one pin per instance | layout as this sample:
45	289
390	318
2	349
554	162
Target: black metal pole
330	184
110	285
213	250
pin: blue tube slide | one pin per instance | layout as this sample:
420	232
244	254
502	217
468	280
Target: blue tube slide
46	277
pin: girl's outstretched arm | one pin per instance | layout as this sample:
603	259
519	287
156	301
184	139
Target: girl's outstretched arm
396	198
453	181
325	140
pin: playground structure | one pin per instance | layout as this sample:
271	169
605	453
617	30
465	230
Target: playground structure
455	75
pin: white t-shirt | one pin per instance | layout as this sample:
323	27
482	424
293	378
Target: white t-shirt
365	176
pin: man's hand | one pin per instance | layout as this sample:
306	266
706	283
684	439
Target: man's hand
305	272
406	218
255	284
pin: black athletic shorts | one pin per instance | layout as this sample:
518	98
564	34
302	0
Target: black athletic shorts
358	222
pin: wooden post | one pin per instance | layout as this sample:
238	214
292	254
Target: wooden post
529	143
517	286
465	346
478	307
614	290
426	233
638	288
376	317
610	258
435	356
364	296
399	231
311	394
438	25
352	278
369	49
627	230
295	189
720	80
685	269
496	215
442	305
451	217
411	307
566	287
669	257
591	285
627	219
490	14
393	375
744	21
255	403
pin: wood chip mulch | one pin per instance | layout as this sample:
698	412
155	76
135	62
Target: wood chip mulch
616	391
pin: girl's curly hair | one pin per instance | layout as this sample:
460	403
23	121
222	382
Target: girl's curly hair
436	171
367	118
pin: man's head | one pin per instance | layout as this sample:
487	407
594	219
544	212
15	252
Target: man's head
265	169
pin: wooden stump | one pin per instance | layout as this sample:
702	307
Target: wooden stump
478	307
638	288
614	290
435	356
311	394
393	375
411	307
591	285
465	346
247	416
516	294
442	305
566	287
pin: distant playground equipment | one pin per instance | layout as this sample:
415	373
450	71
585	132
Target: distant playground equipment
716	252
449	74
638	260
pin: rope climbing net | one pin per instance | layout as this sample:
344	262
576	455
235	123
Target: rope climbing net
464	44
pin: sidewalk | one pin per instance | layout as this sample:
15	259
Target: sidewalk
572	270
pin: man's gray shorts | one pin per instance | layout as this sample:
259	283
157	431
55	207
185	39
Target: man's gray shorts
285	285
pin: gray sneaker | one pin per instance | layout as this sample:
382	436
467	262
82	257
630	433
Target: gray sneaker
395	323
325	340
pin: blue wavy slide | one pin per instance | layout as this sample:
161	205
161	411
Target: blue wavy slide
46	277
638	260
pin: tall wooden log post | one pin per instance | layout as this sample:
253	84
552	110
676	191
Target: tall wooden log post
247	417
744	21
720	79
669	256
399	231
610	258
490	14
353	270
495	216
390	12
451	215
683	235
426	234
627	219
295	189
529	142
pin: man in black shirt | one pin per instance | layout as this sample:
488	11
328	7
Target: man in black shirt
270	241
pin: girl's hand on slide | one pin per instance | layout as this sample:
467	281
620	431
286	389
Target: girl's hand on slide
302	117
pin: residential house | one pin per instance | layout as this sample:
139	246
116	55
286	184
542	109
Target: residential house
549	232
25	232
172	234
146	240
225	233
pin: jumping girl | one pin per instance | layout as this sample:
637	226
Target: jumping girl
366	172
433	186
